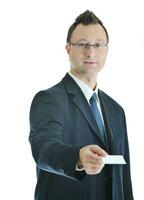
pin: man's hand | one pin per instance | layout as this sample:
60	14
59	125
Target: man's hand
90	159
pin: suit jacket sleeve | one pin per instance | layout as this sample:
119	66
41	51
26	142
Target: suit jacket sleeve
128	194
46	126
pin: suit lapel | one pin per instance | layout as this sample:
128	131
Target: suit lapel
80	101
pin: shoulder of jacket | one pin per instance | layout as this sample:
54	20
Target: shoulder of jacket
111	101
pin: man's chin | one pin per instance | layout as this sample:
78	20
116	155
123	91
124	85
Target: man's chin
91	71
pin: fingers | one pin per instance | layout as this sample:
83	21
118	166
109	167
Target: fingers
90	157
94	168
97	150
93	158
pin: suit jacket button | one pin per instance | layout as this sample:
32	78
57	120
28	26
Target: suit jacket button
106	179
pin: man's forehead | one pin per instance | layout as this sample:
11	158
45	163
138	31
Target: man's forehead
86	32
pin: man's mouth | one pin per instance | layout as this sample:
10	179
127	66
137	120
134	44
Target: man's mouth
90	62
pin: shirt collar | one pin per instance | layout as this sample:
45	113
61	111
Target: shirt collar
88	92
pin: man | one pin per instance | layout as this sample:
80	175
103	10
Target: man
74	125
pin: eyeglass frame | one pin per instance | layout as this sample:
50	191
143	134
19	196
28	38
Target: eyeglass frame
86	46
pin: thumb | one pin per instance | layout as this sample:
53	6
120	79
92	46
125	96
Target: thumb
98	150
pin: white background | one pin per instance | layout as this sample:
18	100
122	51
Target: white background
33	57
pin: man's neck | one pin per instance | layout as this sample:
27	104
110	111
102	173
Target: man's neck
90	81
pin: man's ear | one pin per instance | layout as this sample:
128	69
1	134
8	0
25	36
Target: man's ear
67	48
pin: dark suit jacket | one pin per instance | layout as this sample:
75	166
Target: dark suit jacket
61	123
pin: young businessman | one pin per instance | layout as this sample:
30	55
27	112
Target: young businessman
73	125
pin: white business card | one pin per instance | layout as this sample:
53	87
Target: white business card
114	159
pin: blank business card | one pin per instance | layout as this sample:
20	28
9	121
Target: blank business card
114	159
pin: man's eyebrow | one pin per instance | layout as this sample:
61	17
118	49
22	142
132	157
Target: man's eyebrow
81	40
85	40
100	40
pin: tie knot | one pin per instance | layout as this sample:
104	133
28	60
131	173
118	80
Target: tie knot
93	98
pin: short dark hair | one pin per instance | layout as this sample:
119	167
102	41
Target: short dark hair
85	18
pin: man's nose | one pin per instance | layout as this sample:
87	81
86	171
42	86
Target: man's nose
90	52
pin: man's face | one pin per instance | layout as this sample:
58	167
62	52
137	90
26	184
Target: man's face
87	61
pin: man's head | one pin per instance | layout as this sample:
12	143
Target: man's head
87	42
86	18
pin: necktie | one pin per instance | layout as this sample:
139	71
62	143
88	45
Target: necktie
97	116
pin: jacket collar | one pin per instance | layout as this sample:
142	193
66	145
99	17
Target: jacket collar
81	102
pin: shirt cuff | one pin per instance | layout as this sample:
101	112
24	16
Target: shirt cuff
79	168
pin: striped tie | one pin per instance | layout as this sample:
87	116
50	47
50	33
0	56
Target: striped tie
97	116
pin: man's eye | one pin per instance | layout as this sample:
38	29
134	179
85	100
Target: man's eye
97	45
83	45
86	46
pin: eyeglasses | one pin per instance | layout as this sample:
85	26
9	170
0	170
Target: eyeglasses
84	46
